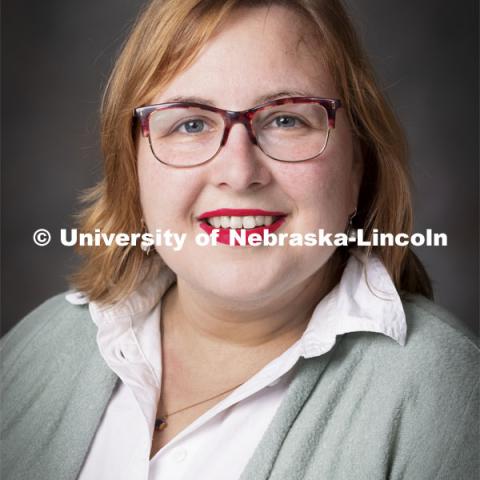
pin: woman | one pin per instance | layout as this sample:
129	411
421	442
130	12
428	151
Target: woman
228	361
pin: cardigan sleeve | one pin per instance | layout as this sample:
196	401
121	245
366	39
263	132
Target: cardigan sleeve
462	452
55	388
445	447
438	433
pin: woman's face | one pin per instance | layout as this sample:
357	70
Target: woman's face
258	54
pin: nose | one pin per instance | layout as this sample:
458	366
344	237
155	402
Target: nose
240	164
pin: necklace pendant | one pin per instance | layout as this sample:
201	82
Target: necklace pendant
161	424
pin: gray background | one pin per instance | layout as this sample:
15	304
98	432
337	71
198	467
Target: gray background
56	57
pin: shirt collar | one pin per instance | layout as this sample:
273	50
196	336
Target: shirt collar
365	300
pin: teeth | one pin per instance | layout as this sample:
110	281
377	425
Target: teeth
248	222
240	222
216	222
236	222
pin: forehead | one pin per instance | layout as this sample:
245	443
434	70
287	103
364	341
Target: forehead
257	53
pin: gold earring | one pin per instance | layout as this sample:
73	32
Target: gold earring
351	230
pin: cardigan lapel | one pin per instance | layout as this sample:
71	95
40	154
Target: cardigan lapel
265	455
80	418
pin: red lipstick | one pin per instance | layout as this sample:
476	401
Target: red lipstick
224	233
240	212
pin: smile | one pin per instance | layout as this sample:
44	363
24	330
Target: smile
251	220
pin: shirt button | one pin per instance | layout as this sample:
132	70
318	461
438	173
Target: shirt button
179	455
130	353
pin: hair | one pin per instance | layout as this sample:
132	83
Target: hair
166	38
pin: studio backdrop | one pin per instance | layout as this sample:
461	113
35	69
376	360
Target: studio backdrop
56	58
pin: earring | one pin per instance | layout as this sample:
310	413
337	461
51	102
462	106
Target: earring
351	230
147	248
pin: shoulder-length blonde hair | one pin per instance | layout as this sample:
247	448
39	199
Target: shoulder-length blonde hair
166	38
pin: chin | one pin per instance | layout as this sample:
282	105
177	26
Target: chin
238	283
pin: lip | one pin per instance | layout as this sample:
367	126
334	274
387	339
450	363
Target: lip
224	233
240	212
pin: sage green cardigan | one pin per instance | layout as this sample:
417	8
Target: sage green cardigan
369	409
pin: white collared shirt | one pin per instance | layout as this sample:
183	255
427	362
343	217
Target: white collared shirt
219	443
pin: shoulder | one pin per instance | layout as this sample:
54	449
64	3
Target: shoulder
438	342
53	324
422	314
437	365
435	339
424	394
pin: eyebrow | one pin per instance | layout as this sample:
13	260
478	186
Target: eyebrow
259	100
283	93
189	99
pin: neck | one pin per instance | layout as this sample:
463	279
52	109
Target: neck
191	317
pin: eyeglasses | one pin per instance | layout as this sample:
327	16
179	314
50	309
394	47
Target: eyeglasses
184	134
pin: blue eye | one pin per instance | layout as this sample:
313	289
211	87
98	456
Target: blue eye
192	126
286	122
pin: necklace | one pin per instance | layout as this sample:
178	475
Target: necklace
161	422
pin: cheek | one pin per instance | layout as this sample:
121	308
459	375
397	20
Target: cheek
166	194
320	186
151	186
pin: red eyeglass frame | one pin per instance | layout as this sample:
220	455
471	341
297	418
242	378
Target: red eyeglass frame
230	118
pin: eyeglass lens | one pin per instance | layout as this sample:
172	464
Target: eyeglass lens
186	136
